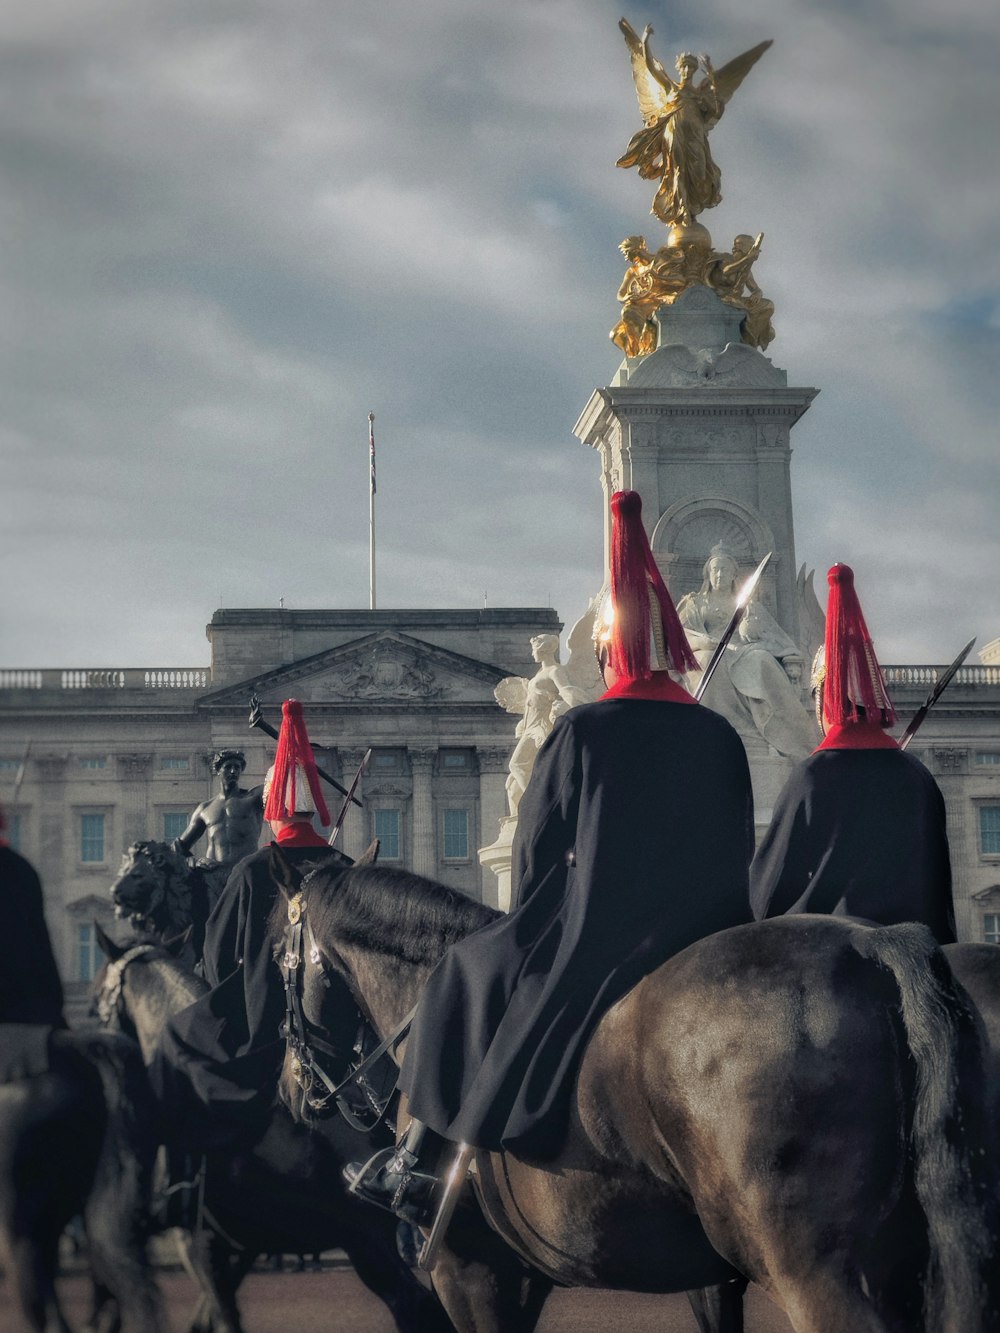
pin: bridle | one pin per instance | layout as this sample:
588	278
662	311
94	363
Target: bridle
107	1000
304	1039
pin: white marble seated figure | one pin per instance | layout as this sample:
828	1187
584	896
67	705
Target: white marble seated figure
757	684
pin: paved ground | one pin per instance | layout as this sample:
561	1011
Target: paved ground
334	1301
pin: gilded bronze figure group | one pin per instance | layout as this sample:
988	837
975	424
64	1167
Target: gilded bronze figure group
673	148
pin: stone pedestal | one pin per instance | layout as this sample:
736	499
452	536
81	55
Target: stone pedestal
700	428
493	763
497	858
768	774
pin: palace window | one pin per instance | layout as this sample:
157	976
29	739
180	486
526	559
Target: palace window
989	830
9	765
988	758
92	837
174	825
455	828
387	761
93	761
454	761
386	827
88	953
991	928
175	762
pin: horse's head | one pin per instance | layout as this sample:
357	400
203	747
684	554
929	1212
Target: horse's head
106	993
378	932
138	1002
153	888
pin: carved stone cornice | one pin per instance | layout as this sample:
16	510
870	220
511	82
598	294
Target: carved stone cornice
132	767
951	760
492	759
51	767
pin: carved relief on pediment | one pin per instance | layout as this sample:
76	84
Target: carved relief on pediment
385	670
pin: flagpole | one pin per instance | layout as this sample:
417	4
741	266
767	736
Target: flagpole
371	511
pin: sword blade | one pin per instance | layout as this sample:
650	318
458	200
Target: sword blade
350	797
916	721
746	592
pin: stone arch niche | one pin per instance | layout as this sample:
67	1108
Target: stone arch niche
686	532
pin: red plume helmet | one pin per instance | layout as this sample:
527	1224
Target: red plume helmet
293	763
640	598
853	677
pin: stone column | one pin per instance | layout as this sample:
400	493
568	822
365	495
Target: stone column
55	863
134	771
424	839
493	761
950	766
357	831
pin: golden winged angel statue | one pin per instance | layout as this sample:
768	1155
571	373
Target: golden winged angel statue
678	117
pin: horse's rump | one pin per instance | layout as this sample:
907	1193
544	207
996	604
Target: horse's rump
779	1072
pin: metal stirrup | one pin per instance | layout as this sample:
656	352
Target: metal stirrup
453	1183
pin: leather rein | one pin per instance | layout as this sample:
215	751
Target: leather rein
301	1036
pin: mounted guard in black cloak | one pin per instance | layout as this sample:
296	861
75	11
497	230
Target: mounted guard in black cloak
634	839
859	828
216	1068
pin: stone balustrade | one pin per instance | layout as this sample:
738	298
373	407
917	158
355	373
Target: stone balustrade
929	675
105	678
200	678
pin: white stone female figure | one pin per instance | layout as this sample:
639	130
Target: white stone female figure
542	698
756	685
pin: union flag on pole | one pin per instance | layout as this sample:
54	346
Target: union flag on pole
371	446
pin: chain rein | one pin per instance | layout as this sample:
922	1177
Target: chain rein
305	1068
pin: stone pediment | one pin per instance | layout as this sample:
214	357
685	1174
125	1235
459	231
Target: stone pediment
383	668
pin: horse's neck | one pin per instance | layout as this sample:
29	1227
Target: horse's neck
153	994
389	987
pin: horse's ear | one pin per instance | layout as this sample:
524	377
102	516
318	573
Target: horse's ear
175	945
370	855
107	945
284	874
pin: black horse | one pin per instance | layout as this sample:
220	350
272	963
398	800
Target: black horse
794	1101
75	1139
283	1195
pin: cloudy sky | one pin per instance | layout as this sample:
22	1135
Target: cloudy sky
231	228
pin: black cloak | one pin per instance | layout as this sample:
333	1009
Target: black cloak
858	833
216	1067
633	840
31	993
30	988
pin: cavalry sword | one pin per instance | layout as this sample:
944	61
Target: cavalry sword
916	721
257	720
746	592
349	798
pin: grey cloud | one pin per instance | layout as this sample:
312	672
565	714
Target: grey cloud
232	230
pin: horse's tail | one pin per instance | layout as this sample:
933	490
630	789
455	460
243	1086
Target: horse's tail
951	1161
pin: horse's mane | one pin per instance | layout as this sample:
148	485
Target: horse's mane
387	911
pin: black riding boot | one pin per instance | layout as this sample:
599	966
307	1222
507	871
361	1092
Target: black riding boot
403	1179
